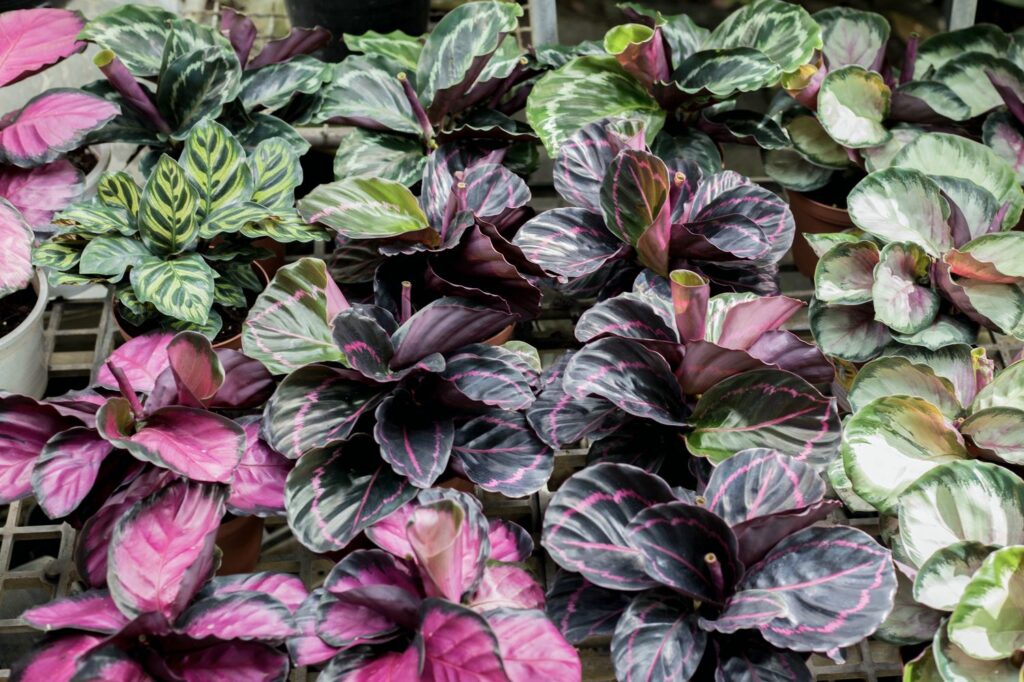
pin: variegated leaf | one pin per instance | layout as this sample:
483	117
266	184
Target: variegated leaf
395	45
276	173
60	256
136	32
900	302
364	208
812	141
852	36
366	92
93	219
111	256
118	190
939	49
369	153
181	288
168	211
273	86
233	217
197	84
852	105
215	161
784	32
1002	133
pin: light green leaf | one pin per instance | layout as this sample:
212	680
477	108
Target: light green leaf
168	220
988	623
1006	390
849	332
902	205
965	76
922	668
793	171
955	665
996	257
232	218
131	308
364	208
785	32
215	161
396	45
210	329
136	33
976	203
59	255
286	227
942	332
852	37
923	101
111	256
941	580
276	173
811	140
853	103
118	190
823	243
900	302
93	219
845	273
366	89
896	376
366	153
181	288
939	49
998	431
957	363
228	294
265	127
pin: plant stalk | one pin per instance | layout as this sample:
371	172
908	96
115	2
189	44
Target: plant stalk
418	110
124	82
909	60
716	573
406	312
126	389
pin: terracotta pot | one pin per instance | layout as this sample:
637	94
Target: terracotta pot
233	343
502	336
812	217
240	540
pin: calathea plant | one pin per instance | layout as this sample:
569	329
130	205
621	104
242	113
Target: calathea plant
934	251
178	250
1003	131
160	617
453	240
661	213
444	598
678	76
168	73
461	85
433	395
35	177
732	581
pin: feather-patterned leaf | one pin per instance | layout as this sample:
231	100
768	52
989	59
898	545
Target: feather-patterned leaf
136	32
276	173
118	190
181	288
168	211
215	161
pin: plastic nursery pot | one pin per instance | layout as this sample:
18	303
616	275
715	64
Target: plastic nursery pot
233	343
356	17
23	350
502	336
240	540
812	217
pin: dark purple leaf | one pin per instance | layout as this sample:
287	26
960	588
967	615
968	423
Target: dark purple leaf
501	453
639	443
457	645
247	383
66	470
706	364
54	660
627	315
306	648
504	586
109	663
92	610
585	157
142	359
491	190
560	418
586	521
230	660
25	427
582	610
371	567
258	485
509	542
747	611
238	615
344	624
657	640
298	41
532	648
334	494
450	543
759	535
445	325
485	374
568	242
285	588
415	441
162	549
748	662
728	194
240	32
366	344
760	482
635	195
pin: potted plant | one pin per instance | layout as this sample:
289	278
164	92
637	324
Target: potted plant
722	581
934	259
678	77
463	85
445	595
23	296
633	209
179	251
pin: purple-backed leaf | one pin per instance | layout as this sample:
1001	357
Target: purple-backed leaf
635	379
568	242
35	39
92	610
247	383
162	549
510	543
67	468
41	191
239	615
634	194
230	661
445	325
727	238
582	610
110	663
837	583
760	482
142	360
52	123
197	369
560	418
726	195
785	350
532	648
507	586
240	32
81	405
483	374
491	190
638	443
306	647
756	662
706	364
584	159
641	51
688	549
298	41
657	640
371	567
747	321
258	484
25	427
746	611
54	660
900	302
360	334
414	440
627	315
334	494
449	547
285	588
16	248
760	534
191	442
849	332
586	521
457	645
501	453
389	532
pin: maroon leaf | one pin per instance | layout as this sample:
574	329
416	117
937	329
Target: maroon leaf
657	640
568	242
457	645
230	660
92	610
726	195
238	615
509	542
35	39
67	468
690	293
635	195
285	588
506	587
41	191
492	190
759	535
760	663
25	427
532	648
359	333
240	32
415	442
258	485
298	41
445	325
584	159
55	660
81	405
196	368
52	123
500	452
582	610
142	359
628	315
247	383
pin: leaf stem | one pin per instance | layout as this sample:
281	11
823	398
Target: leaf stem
124	82
406	302
417	109
716	573
909	60
126	389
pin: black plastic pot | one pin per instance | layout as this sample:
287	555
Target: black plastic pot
9	5
358	16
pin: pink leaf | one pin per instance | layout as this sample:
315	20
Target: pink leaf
93	610
509	542
507	587
287	589
52	123
458	646
258	485
55	661
15	249
532	648
446	548
142	360
35	39
231	661
390	667
25	426
389	532
66	470
40	192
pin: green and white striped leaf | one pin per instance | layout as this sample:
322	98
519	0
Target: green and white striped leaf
958	501
852	37
228	294
131	308
999	431
941	48
267	127
953	664
118	190
927	101
93	219
898	376
902	205
286	227
1006	390
136	33
366	92
988	623
273	86
725	73
188	37
963	158
793	171
822	243
957	363
168	211
58	255
965	76
813	142
944	331
891	441
879	158
785	32
195	85
849	332
900	302
181	288
364	208
232	218
367	153
276	173
853	103
585	90
111	256
215	161
941	580
845	273
402	48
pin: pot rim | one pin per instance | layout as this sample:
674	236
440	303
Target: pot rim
803	197
42	298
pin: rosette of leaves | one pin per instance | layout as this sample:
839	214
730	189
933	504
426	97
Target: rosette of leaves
446	597
461	85
676	75
35	177
179	249
854	109
161	616
732	581
452	240
662	212
665	369
934	259
168	73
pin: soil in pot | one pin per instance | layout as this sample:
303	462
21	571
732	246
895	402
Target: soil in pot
15	308
817	212
82	159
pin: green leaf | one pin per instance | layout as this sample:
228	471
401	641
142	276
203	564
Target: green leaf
849	332
966	76
273	86
168	220
264	126
93	219
999	432
276	173
853	103
180	288
902	205
242	274
977	204
845	273
942	332
793	171
891	441
111	256
722	74
1006	390
366	153
924	101
851	36
941	580
957	363
996	257
898	376
811	140
195	85
365	91
232	218
922	668
396	45
118	190
364	208
955	665
136	33
59	255
988	623
692	145
941	48
585	90
958	501
900	302
880	157
285	228
215	161
785	32
1002	133
210	328
909	622
131	308
228	294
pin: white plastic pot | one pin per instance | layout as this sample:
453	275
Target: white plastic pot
23	366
